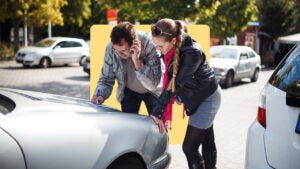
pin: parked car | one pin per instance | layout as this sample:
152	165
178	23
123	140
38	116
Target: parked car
87	66
273	139
56	50
233	63
45	131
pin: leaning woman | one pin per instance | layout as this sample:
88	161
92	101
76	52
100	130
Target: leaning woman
189	79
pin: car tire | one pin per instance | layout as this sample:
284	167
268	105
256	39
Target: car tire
229	79
255	75
127	163
44	63
82	60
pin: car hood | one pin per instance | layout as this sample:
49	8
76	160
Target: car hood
54	129
31	49
222	63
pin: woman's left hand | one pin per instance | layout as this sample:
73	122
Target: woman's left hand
159	123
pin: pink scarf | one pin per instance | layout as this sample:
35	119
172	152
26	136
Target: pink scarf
167	115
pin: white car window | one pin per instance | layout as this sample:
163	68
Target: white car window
287	76
251	54
224	53
74	44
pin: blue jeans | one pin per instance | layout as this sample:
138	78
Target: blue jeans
131	102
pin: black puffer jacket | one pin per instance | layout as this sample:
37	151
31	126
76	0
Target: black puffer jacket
195	80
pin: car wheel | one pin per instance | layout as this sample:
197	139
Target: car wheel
229	79
255	75
82	60
127	163
44	63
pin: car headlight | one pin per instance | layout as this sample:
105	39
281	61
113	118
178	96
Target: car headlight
220	70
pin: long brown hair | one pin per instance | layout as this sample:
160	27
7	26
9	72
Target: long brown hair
169	29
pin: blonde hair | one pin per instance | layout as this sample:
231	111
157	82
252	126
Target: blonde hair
171	29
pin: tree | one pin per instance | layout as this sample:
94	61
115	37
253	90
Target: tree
152	10
227	17
277	18
76	11
36	12
76	15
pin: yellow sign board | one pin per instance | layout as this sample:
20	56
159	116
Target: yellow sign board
100	36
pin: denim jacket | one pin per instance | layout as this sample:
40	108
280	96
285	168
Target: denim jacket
114	69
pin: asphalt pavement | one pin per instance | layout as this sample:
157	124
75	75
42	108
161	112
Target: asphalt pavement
237	111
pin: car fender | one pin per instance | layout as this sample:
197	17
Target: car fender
11	155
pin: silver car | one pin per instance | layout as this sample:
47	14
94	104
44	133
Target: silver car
45	131
233	63
56	50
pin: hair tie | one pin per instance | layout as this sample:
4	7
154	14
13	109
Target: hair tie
174	75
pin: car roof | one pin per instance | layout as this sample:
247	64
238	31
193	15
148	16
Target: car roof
65	38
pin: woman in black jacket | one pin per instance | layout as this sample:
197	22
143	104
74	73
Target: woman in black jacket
188	79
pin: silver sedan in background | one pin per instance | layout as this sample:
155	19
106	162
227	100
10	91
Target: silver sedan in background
233	63
45	131
55	50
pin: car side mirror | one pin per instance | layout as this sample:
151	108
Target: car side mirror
293	99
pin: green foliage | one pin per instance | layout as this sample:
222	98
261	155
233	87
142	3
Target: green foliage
76	11
38	12
6	53
12	9
152	10
278	17
81	27
227	17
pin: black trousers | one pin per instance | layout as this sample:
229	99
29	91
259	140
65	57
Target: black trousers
195	137
131	102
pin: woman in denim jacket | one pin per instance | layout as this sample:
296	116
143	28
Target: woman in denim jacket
130	58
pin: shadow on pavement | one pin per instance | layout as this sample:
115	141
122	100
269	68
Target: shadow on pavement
79	78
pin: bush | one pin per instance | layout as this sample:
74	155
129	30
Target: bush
6	53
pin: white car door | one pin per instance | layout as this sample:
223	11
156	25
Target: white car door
76	50
61	52
242	66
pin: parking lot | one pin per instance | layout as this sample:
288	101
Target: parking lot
238	109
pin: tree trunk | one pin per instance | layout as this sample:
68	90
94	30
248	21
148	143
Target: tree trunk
16	36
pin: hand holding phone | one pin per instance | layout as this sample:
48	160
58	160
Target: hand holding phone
135	51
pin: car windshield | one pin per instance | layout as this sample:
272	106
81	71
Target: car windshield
223	53
44	43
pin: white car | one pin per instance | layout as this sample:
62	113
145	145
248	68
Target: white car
233	63
56	50
273	139
45	131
